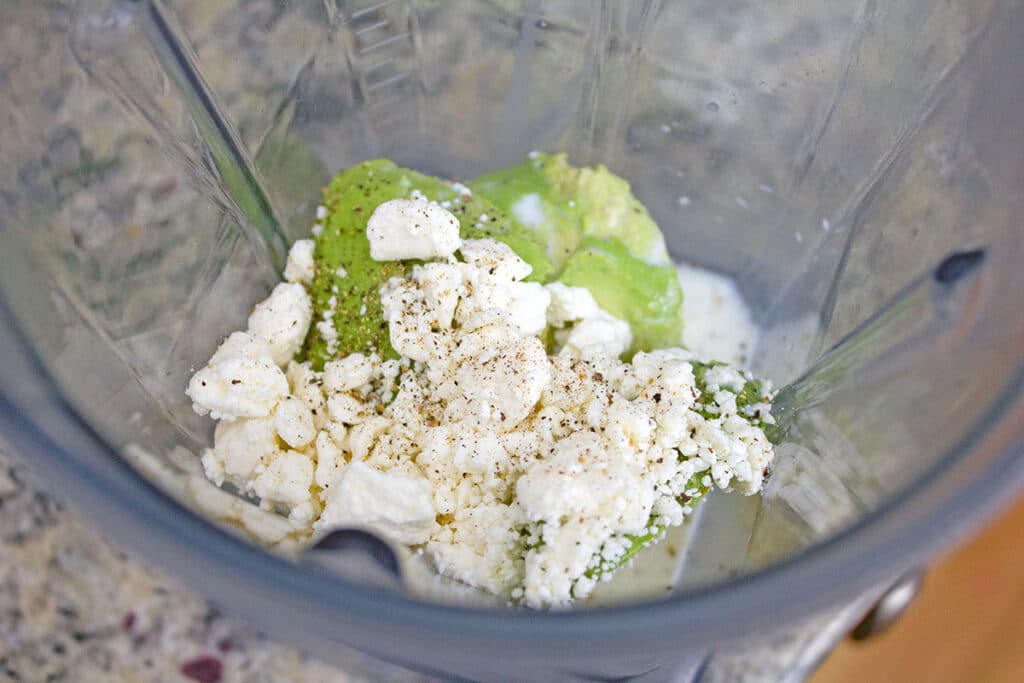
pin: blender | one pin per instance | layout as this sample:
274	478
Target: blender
856	167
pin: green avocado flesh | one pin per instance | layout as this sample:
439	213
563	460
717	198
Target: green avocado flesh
580	226
647	297
350	199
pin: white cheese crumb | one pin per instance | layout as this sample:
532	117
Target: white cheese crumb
350	372
412	229
238	447
461	189
286	479
569	304
496	257
597	336
300	267
293	422
240	380
528	305
346	409
304	383
397	506
330	458
282	320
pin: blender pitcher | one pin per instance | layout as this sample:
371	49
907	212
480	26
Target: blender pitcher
856	167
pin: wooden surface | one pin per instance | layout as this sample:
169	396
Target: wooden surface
966	626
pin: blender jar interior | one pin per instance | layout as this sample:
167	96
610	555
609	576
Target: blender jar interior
157	157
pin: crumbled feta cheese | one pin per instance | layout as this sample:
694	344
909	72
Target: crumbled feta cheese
527	306
719	376
601	335
282	320
461	189
286	479
569	304
412	229
397	506
362	436
517	472
240	380
350	372
346	409
330	458
499	375
300	268
497	258
293	421
238	447
305	385
480	546
442	285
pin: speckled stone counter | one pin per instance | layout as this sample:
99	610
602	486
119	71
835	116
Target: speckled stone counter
75	608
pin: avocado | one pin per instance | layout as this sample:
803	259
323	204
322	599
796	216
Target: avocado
346	274
561	204
581	226
645	296
598	236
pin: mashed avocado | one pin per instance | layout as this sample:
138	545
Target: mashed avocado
645	296
598	236
581	226
562	204
346	286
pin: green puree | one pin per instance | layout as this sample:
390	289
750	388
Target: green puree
581	226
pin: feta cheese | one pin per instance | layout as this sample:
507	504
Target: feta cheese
569	304
300	267
497	258
240	380
479	547
286	479
499	375
600	335
411	321
528	305
442	285
397	506
293	421
282	320
411	229
361	437
516	472
330	459
305	384
238	447
350	372
346	409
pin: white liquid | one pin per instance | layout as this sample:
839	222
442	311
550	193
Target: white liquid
717	324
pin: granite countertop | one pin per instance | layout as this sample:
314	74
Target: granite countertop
75	608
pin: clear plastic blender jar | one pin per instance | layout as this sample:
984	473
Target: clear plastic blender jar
857	167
